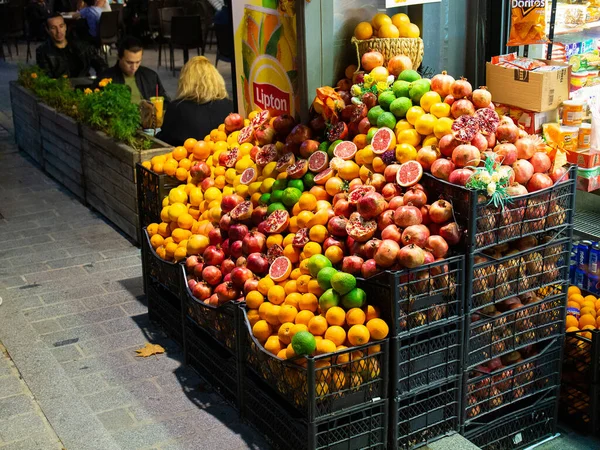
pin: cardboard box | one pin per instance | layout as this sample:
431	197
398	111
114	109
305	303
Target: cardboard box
586	159
588	179
531	121
532	91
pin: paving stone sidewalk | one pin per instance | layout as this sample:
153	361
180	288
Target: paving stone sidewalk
73	313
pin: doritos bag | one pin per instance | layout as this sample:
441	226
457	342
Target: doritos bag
528	23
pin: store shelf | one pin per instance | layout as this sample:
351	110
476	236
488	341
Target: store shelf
587	224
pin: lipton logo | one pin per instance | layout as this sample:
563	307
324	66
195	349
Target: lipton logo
272	98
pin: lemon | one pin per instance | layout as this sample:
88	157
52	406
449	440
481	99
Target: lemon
269	169
424	124
212	193
442	127
411	137
402	125
440	109
430	140
413	114
428	99
177	196
266	185
406	152
379	74
176	210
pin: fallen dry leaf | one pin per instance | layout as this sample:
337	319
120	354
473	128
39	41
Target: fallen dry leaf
149	350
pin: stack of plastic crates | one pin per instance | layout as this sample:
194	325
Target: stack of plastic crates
152	188
426	351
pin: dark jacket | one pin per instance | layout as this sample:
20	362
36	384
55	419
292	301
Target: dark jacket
74	60
146	80
186	118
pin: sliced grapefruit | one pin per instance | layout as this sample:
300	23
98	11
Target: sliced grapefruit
383	140
345	150
409	174
322	177
318	161
280	269
249	176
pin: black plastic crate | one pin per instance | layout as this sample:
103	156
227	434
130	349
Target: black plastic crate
491	280
581	357
152	188
429	358
485	225
214	362
320	385
165	309
218	321
485	392
158	271
580	407
363	427
491	337
533	423
418	419
417	298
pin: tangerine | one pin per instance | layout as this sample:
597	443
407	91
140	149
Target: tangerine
587	319
317	325
336	316
358	335
363	31
571	321
378	329
179	153
254	299
303	317
287	313
336	334
262	330
355	316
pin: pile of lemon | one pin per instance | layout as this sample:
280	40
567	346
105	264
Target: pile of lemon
384	26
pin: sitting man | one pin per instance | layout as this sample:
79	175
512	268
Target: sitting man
58	57
142	81
91	13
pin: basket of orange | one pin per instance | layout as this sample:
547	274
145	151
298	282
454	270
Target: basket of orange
392	37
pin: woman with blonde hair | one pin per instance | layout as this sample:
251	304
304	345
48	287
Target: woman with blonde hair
201	104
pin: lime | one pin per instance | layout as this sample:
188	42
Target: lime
400	88
387	119
332	147
328	299
371	133
265	199
291	196
400	106
279	185
409	75
324	277
276	196
272	4
418	89
298	184
308	180
356	298
385	99
343	282
374	114
304	343
316	263
275	206
323	146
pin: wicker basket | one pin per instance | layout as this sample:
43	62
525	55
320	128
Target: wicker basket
389	47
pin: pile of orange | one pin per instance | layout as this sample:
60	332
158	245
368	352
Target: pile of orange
384	26
583	312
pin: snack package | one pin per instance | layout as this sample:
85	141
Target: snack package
528	23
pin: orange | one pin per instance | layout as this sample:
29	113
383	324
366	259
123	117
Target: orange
274	239
576	298
319	193
312	248
590	298
273	345
156	241
170	167
303	317
598	322
355	316
342	359
161	252
262	310
572	321
287	313
325	346
293	299
158	168
292	253
179	153
282	353
265	284
289	352
318	233
570	291
307	202
336	334
297	328
372	312
180	234
253	316
587	310
378	329
309	302
570	329
262	330
379	20
181	174
290	287
317	325
185	221
586	319
296	273
388	30
334	254
147	165
588	334
272	315
189	144
201	150
336	316
314	288
284	332
164	230
575	305
254	299
276	294
597	304
152	229
302	283
398	19
197	244
338	380
358	335
363	31
185	163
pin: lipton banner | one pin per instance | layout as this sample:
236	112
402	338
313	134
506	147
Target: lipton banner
266	56
397	3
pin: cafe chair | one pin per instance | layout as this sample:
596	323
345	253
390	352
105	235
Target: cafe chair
186	33
108	31
225	50
165	17
207	13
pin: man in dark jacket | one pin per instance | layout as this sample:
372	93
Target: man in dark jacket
142	81
73	58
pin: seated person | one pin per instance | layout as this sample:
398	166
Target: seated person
91	13
73	58
201	103
128	70
104	5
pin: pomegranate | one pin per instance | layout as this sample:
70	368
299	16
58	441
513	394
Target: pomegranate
442	83
343	208
369	99
460	176
426	156
215	237
396	202
408	215
399	63
198	269
461	88
538	182
265	135
377	181
227	266
391	232
442	168
258	263
390	190
415	234
385	219
233	122
516	189
202	291
298	135
371	205
370	60
241	261
466	155
235	249
390	172
425	214
508	153
411	256
446	145
449	99
283	125
370	248
226	292
558	174
451	233
191	262
239	276
333	242
359	229
507	171
364	125
207	183
237	232
541	162
230	201
337	226
523	171
480	142
199	172
429	258
308	147
462	107
369	268
507	131
259	214
481	97
352	264
251	285
254	242
225	222
440	211
416	197
213	255
437	245
386	254
491	139
212	275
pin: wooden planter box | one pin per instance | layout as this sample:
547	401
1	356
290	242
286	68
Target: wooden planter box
26	122
61	147
110	178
